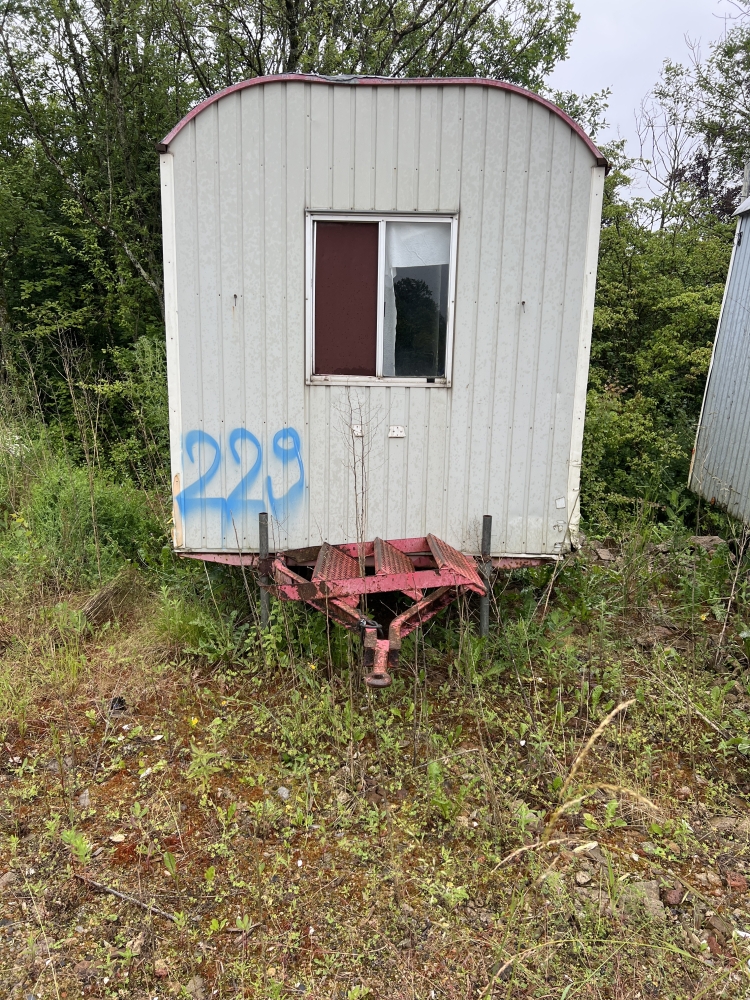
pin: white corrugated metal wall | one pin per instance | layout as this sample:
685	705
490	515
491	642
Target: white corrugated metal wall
504	439
720	470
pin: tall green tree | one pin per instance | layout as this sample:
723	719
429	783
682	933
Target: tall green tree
723	116
662	268
88	89
516	40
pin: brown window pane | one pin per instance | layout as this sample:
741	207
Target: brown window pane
346	297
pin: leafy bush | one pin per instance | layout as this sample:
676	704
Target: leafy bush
73	524
659	293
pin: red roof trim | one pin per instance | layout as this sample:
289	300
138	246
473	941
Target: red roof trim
380	81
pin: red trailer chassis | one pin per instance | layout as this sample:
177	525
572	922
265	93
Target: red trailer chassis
342	575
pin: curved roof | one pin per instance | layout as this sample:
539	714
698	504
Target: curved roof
374	81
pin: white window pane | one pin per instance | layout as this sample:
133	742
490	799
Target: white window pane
417	244
417	260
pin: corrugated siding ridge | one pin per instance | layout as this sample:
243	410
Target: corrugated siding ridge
720	469
372	81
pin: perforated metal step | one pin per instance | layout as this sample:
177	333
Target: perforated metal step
448	558
332	564
389	561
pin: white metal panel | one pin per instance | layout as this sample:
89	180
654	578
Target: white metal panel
320	166
450	148
211	387
229	196
296	408
277	474
384	153
720	470
171	315
365	123
580	310
253	297
342	152
505	439
428	167
489	380
462	475
553	233
408	149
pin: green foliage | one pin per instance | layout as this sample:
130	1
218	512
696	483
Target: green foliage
203	766
170	863
659	293
78	844
589	110
519	40
71	525
218	638
446	806
175	620
724	113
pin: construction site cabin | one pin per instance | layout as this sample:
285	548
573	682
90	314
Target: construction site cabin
379	297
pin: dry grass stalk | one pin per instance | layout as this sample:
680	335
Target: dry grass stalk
519	957
560	811
695	711
631	793
740	553
538	845
572	803
591	741
113	600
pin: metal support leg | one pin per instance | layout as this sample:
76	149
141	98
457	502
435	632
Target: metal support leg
485	571
265	597
376	660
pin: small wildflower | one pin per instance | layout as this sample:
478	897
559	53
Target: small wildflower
193	721
312	666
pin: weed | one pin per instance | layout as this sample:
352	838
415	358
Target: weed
170	865
79	846
445	806
202	767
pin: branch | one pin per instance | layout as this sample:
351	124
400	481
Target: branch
80	198
128	899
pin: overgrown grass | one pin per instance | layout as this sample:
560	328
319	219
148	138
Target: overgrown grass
485	827
426	839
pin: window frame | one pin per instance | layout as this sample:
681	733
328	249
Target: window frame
311	217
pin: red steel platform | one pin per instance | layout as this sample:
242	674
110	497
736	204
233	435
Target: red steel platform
427	570
342	574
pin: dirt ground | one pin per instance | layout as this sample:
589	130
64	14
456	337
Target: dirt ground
561	811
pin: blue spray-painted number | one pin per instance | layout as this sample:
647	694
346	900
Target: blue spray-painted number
294	494
287	448
192	498
238	501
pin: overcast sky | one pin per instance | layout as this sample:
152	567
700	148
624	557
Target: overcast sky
622	44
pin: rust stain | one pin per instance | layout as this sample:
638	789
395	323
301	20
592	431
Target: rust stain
177	529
